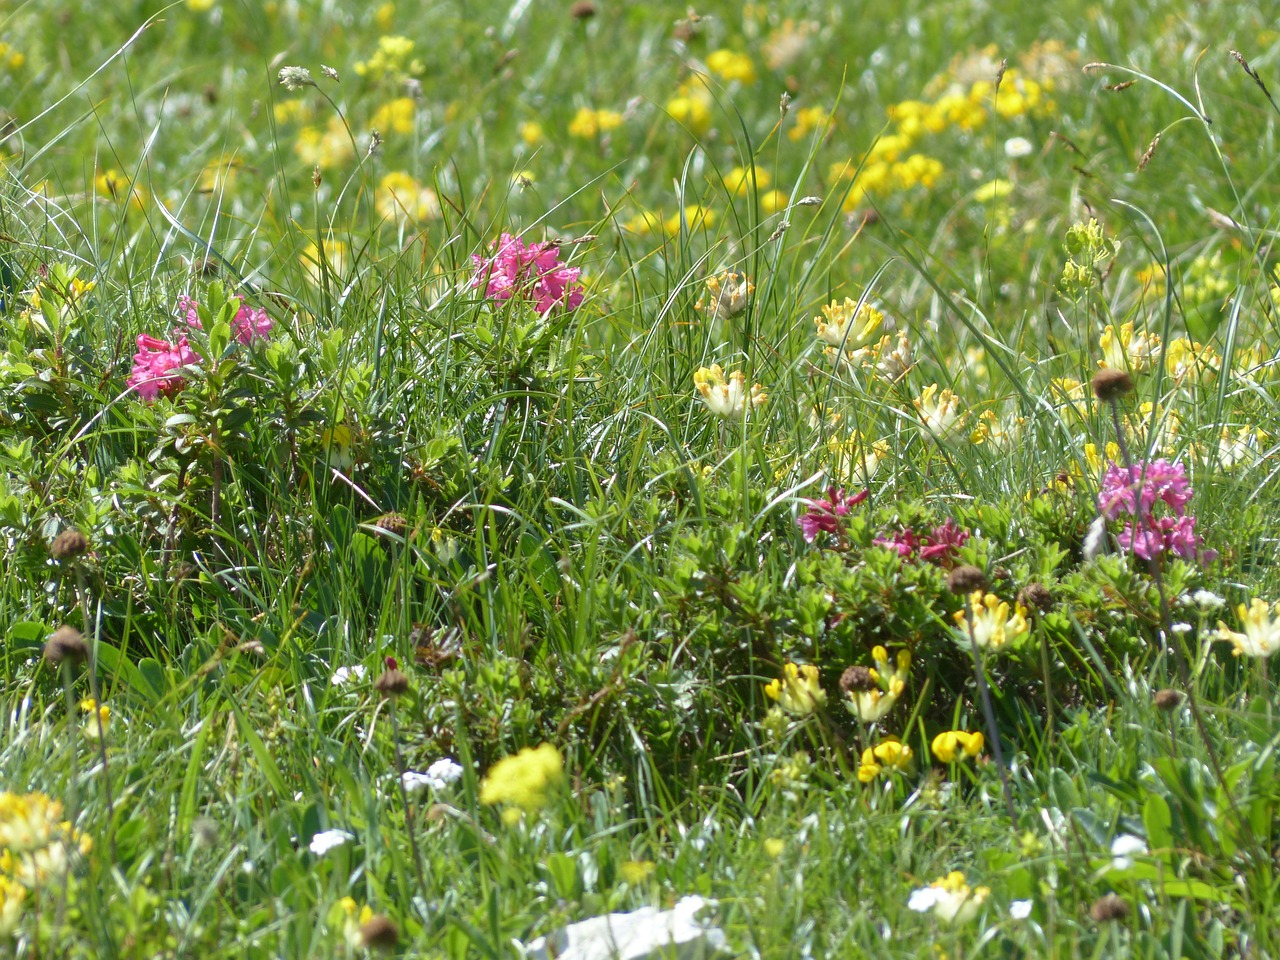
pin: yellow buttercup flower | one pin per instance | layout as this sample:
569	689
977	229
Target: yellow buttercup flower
525	780
587	124
394	116
957	744
738	180
797	690
808	120
731	66
1261	637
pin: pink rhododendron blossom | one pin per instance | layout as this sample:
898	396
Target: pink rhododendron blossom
529	271
154	365
824	515
249	322
1132	495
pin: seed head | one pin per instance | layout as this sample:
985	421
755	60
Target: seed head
68	545
583	10
857	679
1036	596
1108	908
392	683
379	933
966	579
65	643
1110	385
295	78
1168	700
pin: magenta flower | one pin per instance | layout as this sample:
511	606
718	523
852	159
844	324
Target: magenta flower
531	272
154	363
824	515
249	322
1133	494
937	546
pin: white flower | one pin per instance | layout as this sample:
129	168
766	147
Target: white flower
939	413
1016	147
344	675
1095	541
639	935
923	899
438	776
1124	848
1020	909
729	398
1261	637
950	898
326	840
1208	600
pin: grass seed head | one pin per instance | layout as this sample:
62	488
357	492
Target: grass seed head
65	643
965	579
1110	384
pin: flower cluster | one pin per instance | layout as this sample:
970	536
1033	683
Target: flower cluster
155	363
952	745
824	515
36	849
993	626
728	294
524	781
949	898
1261	637
728	398
797	690
248	323
871	692
937	546
1132	494
888	755
530	272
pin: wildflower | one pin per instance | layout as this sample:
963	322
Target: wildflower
1133	494
997	432
992	190
952	745
393	682
1261	637
847	325
391	61
1124	848
1020	909
797	690
732	67
1015	148
825	514
729	293
325	146
36	843
939	413
12	895
327	840
690	110
438	776
587	124
295	78
114	184
1240	447
894	364
729	399
808	120
739	179
993	627
887	755
871	692
523	781
345	675
529	271
691	218
774	847
636	872
937	546
68	545
247	324
855	460
1126	350
394	116
353	917
98	723
949	898
1188	361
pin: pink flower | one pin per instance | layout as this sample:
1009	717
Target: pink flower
249	322
532	272
824	515
1132	494
154	363
936	546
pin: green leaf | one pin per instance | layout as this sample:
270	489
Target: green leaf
1158	820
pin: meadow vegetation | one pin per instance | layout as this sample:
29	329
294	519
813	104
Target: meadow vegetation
466	468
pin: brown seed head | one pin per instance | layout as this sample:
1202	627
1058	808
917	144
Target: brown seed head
65	643
392	523
1168	700
1036	596
1110	385
379	933
391	683
68	545
966	579
857	680
1108	908
583	10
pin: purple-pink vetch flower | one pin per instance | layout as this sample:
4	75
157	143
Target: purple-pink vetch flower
154	365
249	322
1133	493
530	271
823	516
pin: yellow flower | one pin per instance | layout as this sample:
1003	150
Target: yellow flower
336	444
532	134
690	111
200	6
401	197
847	324
774	848
992	190
956	744
352	917
949	899
730	66
854	460
1241	447
394	116
1186	360
391	61
1098	462
114	184
1125	350
525	780
797	690
939	413
917	169
1261	637
991	429
738	180
694	215
636	872
384	15
808	120
327	147
888	755
729	293
12	896
36	843
871	692
587	124
773	201
98	723
993	627
728	398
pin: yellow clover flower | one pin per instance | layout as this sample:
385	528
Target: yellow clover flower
797	690
888	755
957	744
1261	637
993	627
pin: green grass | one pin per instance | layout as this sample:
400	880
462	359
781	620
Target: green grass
559	543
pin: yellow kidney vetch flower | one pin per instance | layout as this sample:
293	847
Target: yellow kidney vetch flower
12	897
1188	362
524	781
728	294
955	745
797	690
890	755
854	460
1261	637
1125	350
871	692
1241	446
587	124
940	414
993	626
728	398
847	325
